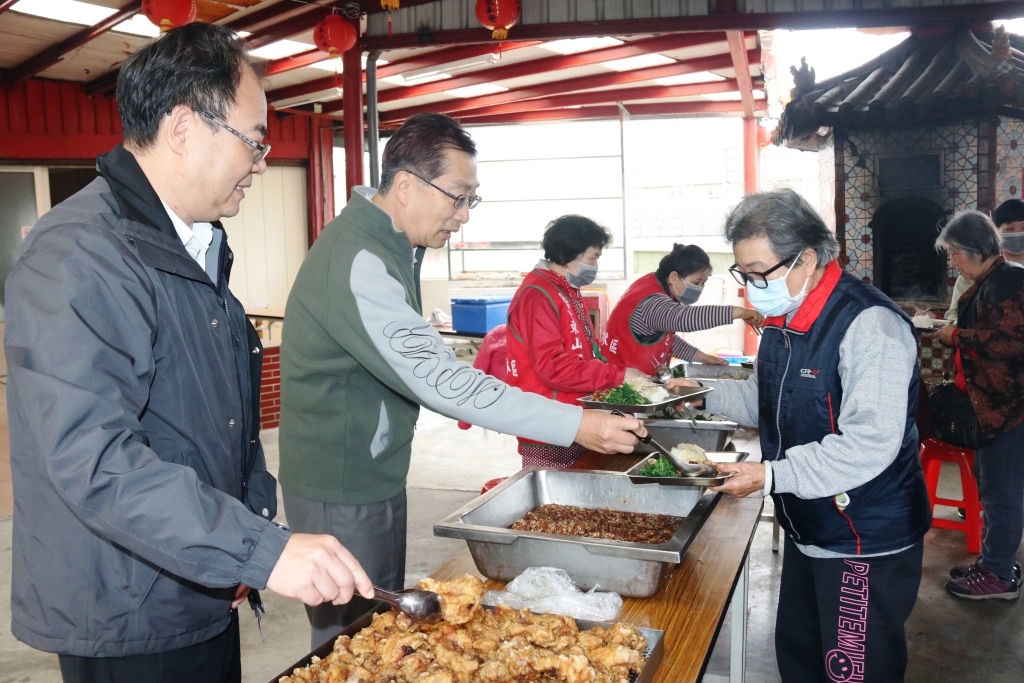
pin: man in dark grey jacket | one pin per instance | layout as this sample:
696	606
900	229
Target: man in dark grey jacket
142	504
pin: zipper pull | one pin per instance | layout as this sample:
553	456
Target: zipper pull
257	607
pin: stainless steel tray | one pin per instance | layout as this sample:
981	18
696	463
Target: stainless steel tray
654	654
680	395
728	456
711	435
635	570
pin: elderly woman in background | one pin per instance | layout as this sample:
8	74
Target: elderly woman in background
988	343
552	350
642	328
1009	218
834	398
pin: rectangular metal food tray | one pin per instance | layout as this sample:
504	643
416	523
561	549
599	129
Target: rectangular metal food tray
654	654
680	395
711	435
635	570
728	456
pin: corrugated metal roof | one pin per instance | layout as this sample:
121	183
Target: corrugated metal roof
933	76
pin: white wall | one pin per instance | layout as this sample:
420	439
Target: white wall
268	237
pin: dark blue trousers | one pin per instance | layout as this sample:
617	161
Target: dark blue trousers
841	620
999	468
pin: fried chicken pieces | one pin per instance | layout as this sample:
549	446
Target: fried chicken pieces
474	645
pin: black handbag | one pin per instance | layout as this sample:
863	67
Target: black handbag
953	418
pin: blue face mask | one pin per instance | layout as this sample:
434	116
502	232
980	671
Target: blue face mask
583	278
690	294
775	299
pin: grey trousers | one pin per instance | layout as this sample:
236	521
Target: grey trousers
374	533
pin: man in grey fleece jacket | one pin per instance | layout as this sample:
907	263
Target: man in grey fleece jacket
358	360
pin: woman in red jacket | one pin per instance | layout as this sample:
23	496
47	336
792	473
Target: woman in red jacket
552	349
641	331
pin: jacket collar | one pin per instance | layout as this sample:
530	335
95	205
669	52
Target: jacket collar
136	197
812	306
381	226
140	204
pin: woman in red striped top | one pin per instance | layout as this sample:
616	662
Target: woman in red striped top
641	331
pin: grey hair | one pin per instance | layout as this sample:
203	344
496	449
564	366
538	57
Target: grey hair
972	232
787	220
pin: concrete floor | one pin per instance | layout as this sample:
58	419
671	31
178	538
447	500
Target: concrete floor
948	639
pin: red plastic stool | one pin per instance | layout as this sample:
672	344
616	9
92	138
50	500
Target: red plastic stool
491	484
933	454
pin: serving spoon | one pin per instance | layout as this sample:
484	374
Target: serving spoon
687	469
425	607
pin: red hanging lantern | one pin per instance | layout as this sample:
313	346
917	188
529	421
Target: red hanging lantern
168	14
498	16
334	35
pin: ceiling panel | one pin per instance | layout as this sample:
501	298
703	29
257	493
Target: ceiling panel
23	37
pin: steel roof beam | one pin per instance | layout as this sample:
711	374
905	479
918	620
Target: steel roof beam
612	112
738	52
53	54
859	18
296	61
645	46
654	92
391	69
571	85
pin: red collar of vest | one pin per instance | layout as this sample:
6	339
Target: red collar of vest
811	308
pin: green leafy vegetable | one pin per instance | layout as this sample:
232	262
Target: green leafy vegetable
661	468
622	395
679	371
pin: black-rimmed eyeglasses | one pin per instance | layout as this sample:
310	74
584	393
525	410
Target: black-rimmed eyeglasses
759	280
460	200
260	150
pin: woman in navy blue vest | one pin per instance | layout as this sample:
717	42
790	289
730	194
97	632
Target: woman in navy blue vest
834	398
988	346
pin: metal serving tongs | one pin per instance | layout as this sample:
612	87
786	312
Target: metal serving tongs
687	469
425	607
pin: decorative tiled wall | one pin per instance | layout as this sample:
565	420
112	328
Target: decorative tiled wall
959	146
1009	159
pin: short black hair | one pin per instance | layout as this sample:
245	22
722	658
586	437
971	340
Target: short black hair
420	145
787	221
569	236
970	231
197	65
1010	211
683	260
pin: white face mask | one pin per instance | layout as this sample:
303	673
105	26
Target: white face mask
775	299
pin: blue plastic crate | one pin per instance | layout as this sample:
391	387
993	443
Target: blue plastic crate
481	314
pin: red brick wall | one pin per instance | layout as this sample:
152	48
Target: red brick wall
270	393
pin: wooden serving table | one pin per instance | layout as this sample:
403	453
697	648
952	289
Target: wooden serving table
691	606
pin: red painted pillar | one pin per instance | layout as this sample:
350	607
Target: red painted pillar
750	337
352	110
749	155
